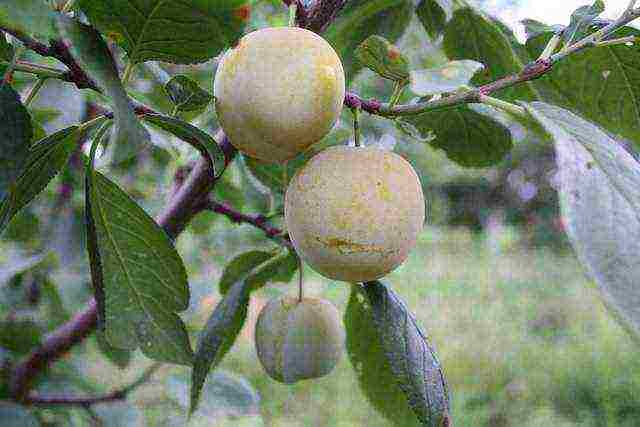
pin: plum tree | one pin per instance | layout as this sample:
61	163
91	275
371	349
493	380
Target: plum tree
353	213
299	339
278	91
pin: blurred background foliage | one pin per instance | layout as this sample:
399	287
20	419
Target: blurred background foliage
522	334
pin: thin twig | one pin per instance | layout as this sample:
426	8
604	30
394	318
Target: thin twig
258	221
613	42
531	71
58	50
119	394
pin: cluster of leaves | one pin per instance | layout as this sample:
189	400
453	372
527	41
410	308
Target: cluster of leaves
139	281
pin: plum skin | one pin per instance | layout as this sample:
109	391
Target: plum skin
278	91
299	340
354	214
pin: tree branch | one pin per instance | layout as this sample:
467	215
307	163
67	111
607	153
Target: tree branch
173	219
531	71
317	17
86	401
258	221
58	50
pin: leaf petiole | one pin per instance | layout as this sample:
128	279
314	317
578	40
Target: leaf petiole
503	105
293	10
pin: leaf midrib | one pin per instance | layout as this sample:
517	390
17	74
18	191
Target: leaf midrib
120	258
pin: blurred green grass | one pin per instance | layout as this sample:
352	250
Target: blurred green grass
521	332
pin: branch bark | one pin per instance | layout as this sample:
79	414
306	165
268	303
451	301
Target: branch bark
531	71
57	50
87	401
258	221
177	214
317	17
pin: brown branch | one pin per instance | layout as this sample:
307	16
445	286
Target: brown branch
86	401
531	71
57	50
317	17
181	208
37	400
258	221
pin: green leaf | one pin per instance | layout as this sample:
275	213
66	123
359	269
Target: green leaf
182	32
6	49
28	17
599	84
280	268
186	94
370	364
471	35
139	279
581	19
362	18
468	138
54	310
227	320
434	15
198	139
17	263
377	54
224	394
15	138
119	357
412	359
274	267
218	336
269	174
446	78
533	28
13	415
240	266
413	132
20	335
92	53
118	414
600	205
47	158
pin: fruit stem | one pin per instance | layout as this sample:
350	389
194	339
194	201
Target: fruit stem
397	93
285	186
35	89
126	75
356	126
293	10
300	278
6	78
68	6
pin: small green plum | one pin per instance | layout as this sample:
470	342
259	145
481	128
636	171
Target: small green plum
299	339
